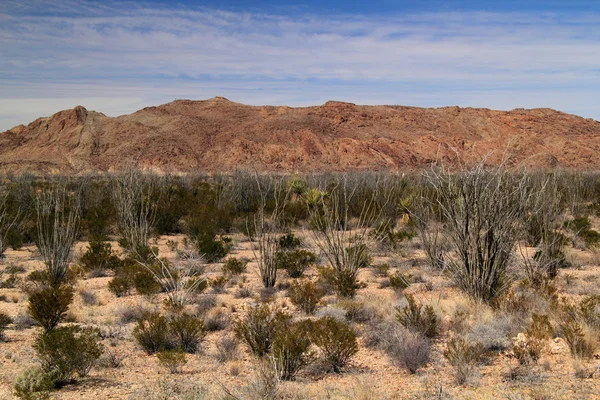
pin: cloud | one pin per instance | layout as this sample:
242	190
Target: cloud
131	55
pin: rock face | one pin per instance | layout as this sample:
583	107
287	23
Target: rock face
218	135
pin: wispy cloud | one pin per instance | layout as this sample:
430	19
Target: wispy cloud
121	56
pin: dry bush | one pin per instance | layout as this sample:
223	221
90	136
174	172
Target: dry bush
483	209
216	320
5	320
345	245
9	217
58	215
463	357
227	349
407	350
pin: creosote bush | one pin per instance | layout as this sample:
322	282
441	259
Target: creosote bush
67	350
306	295
418	319
187	332
34	384
49	305
258	327
99	257
291	349
155	332
234	266
295	262
173	360
335	340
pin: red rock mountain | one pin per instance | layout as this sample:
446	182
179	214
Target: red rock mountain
220	135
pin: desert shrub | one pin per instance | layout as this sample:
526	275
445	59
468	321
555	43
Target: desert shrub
234	266
590	237
144	282
243	292
227	349
463	357
34	384
413	317
172	360
291	349
5	320
288	242
210	248
120	286
218	284
357	311
589	309
110	359
187	332
152	333
68	349
400	281
408	350
306	296
342	282
528	346
381	270
205	303
88	298
23	321
492	335
335	340
258	327
216	320
99	257
49	305
295	262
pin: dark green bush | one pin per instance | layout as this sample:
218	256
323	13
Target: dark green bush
336	341
295	262
258	327
288	242
5	320
144	282
68	349
210	248
306	295
187	332
99	257
400	281
234	266
413	317
49	305
152	333
120	286
291	349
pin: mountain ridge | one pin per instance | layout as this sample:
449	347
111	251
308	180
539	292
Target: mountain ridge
218	135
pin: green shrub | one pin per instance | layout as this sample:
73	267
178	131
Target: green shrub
234	266
343	283
218	284
258	327
187	332
172	360
145	283
120	286
152	333
306	296
49	305
5	320
210	248
34	384
336	341
413	317
288	242
382	270
291	349
68	349
589	309
359	253
590	237
295	262
400	281
99	257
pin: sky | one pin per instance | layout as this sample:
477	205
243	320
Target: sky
116	57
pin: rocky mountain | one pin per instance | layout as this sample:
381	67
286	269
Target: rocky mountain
218	135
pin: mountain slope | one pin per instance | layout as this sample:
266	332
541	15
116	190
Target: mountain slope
219	135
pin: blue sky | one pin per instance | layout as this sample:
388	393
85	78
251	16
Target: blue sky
119	56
